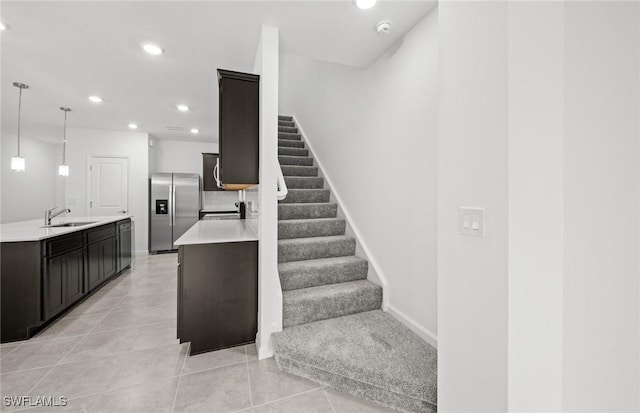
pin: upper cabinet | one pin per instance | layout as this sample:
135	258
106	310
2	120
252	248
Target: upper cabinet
239	129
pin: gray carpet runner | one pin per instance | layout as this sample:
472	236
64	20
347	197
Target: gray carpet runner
334	331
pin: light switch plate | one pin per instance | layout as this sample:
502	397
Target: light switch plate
471	222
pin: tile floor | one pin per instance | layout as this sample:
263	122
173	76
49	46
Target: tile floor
117	352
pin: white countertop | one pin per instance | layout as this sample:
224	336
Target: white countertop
218	231
34	230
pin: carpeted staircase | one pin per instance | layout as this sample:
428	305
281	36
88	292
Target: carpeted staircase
334	330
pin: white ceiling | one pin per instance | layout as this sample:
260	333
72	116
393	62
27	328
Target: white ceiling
66	51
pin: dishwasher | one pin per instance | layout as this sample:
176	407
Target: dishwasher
123	238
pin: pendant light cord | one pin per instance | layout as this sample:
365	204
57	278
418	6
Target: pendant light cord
64	140
19	110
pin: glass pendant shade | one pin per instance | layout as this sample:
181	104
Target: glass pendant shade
17	163
63	170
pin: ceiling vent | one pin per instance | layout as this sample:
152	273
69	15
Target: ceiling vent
175	128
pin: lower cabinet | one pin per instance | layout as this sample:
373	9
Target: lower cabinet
101	261
42	279
63	281
217	295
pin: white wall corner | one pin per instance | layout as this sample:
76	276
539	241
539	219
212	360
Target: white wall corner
269	290
413	325
375	273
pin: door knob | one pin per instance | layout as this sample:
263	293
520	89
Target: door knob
123	211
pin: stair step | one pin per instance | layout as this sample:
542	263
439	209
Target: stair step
295	160
289	136
289	123
285	117
312	273
299	170
293	151
304	182
369	355
307	211
307	228
300	249
307	305
299	196
288	143
287	129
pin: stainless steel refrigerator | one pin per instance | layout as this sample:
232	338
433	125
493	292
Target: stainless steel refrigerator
174	208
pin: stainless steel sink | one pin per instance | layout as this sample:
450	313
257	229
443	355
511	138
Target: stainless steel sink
70	224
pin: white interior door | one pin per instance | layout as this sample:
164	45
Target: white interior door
109	186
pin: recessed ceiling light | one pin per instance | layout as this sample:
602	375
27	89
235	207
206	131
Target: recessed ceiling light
182	108
365	4
152	49
195	131
133	126
3	26
95	99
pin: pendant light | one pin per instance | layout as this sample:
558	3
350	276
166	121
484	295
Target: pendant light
17	162
63	169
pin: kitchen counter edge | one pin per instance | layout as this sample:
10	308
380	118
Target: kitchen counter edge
219	231
33	230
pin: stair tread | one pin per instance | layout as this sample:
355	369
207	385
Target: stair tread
371	348
311	240
307	305
320	262
325	291
308	220
312	273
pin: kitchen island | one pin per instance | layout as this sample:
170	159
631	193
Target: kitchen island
46	270
218	284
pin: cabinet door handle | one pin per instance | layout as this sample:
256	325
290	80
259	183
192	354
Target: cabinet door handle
123	211
216	173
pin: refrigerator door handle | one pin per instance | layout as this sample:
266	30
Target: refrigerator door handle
173	205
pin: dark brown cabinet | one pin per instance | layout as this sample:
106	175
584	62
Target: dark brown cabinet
101	261
63	281
208	165
239	129
217	295
63	275
42	279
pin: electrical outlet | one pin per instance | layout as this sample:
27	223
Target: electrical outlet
471	222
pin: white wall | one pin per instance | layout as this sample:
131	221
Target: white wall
269	291
601	336
472	171
535	156
25	195
186	157
181	156
374	131
84	142
559	108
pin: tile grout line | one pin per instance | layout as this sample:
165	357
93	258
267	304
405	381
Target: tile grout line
289	397
67	353
326	396
70	350
246	357
175	396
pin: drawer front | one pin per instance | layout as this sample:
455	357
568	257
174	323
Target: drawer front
62	244
100	233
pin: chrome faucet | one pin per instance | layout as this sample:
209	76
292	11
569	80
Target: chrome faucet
49	215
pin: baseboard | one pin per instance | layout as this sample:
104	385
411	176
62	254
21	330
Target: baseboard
359	239
413	325
141	252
